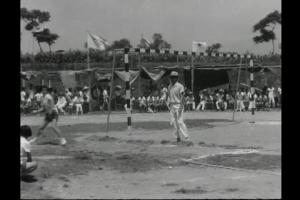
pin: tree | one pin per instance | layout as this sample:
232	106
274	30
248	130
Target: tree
33	19
45	36
120	44
214	48
159	43
266	27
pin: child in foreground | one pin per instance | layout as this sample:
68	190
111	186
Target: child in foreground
27	164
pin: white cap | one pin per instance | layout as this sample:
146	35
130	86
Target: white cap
173	73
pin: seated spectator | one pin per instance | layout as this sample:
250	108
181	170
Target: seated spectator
230	101
61	103
27	164
162	104
220	103
149	104
265	102
142	104
189	102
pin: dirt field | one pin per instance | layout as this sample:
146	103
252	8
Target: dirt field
147	163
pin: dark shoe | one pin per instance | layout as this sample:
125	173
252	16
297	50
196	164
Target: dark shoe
178	140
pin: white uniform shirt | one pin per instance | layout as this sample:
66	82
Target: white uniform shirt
175	93
23	94
25	148
61	101
38	96
279	90
271	92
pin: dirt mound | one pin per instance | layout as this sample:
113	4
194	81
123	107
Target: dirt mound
203	144
197	190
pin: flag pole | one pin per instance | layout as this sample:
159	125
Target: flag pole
111	91
192	71
89	74
237	87
139	65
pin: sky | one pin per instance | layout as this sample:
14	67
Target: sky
180	22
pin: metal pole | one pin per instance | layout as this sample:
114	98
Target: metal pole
252	90
237	87
89	78
192	71
127	87
111	91
139	66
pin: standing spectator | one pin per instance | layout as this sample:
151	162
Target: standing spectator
61	103
86	100
23	95
279	95
240	103
78	103
246	99
105	98
220	104
39	97
271	96
202	102
54	94
230	100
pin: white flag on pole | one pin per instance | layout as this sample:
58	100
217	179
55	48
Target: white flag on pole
96	42
146	42
196	46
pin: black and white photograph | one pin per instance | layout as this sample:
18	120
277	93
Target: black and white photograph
150	99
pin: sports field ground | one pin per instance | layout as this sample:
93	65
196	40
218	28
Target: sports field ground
224	159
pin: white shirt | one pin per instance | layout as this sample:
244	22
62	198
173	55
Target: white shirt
80	93
175	93
38	96
61	101
25	148
23	94
271	92
104	93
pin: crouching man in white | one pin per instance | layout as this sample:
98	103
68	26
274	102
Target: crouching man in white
27	164
175	100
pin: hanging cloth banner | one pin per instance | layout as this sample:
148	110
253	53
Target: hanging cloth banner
102	76
133	75
29	75
155	75
68	78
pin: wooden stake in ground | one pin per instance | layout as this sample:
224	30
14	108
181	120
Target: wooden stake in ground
237	87
111	91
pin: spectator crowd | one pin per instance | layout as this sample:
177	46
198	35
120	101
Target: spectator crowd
76	101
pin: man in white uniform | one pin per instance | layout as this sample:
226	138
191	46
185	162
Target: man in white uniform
175	99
